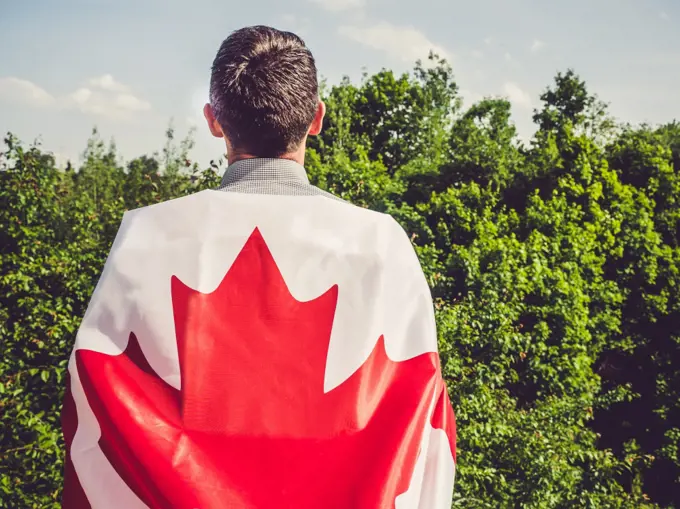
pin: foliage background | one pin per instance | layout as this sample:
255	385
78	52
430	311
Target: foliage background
554	264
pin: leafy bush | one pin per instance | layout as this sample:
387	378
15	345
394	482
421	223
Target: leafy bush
555	268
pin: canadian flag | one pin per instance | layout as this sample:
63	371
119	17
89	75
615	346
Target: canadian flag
250	351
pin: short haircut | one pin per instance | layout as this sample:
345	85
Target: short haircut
264	90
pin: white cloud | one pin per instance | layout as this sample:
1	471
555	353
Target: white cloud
537	45
103	96
17	90
339	5
295	24
516	95
488	41
128	102
106	104
477	53
61	159
81	96
403	43
664	15
470	97
108	83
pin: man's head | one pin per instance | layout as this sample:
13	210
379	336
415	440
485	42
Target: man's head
264	93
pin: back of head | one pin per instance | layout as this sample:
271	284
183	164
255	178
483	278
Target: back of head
264	91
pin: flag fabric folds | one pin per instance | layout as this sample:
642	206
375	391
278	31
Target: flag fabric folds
251	351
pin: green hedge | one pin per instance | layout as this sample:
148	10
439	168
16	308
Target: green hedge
555	267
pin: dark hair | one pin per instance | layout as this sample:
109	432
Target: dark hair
264	90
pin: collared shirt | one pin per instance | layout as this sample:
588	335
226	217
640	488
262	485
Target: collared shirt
270	176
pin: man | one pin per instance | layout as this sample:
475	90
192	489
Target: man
264	346
264	103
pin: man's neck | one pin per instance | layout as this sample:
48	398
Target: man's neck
298	157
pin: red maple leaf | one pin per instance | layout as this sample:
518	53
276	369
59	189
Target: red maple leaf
251	426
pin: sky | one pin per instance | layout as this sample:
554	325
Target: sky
130	67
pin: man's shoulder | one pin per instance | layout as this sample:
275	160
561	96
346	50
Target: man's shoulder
364	213
315	228
322	192
327	208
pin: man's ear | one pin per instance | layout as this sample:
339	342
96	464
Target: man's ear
317	123
213	124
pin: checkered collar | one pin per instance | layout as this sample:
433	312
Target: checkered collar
265	169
